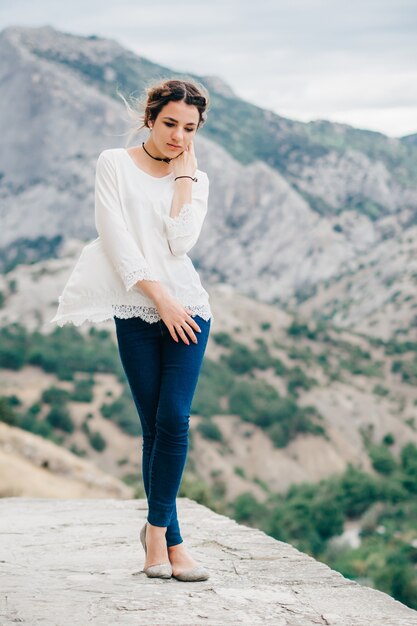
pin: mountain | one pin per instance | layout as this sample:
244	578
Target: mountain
33	467
358	387
292	204
283	211
309	255
409	139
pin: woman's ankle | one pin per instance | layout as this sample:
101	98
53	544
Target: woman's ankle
177	546
156	529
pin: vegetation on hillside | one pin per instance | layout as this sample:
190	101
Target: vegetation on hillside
383	505
28	251
226	386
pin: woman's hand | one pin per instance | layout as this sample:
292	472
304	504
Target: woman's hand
186	163
177	319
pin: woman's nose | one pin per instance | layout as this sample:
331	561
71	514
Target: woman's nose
177	136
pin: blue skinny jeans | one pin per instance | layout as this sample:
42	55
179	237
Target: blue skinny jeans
162	376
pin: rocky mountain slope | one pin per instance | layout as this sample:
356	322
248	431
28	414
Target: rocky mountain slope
34	467
316	221
348	369
303	202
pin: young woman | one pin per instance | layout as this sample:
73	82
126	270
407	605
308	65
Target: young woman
150	205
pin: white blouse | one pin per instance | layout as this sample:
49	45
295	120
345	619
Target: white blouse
137	240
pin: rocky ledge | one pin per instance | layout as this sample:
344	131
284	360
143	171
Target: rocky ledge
79	562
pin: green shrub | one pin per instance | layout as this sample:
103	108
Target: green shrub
388	439
300	352
259	403
392	346
77	451
265	326
301	422
196	489
247	510
380	390
262	357
407	369
123	413
214	382
31	424
35	409
359	491
240	360
358	361
398	577
66	351
223	339
97	441
27	421
210	430
296	379
327	514
83	390
60	418
252	401
409	465
14	400
7	413
291	519
279	367
300	329
14	346
55	395
382	459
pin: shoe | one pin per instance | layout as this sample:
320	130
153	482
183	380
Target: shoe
195	573
160	570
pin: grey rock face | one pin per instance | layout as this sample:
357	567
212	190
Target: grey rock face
270	233
79	562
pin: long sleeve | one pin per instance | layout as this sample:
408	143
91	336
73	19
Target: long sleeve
118	243
184	230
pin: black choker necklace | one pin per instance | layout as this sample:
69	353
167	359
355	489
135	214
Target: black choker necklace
166	159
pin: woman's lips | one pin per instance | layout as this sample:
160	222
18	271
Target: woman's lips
172	146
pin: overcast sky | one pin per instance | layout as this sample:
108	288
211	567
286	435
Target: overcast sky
353	62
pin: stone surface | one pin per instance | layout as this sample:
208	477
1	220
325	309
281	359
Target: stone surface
79	562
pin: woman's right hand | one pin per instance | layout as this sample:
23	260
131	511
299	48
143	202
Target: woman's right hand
177	318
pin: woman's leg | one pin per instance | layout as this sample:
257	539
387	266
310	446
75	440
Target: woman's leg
180	369
137	337
140	352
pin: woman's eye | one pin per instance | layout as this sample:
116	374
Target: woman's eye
189	130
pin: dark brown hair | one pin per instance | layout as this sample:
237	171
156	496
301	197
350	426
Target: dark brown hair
160	95
157	95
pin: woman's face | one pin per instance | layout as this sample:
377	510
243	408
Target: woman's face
175	127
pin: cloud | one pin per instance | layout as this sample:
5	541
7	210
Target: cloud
305	59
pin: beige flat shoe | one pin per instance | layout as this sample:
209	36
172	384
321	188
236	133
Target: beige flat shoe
159	570
195	573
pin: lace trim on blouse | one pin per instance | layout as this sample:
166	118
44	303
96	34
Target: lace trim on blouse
151	315
143	273
182	225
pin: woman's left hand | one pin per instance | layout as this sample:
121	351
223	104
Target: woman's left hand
186	163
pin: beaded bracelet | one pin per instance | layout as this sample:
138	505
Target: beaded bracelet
194	179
